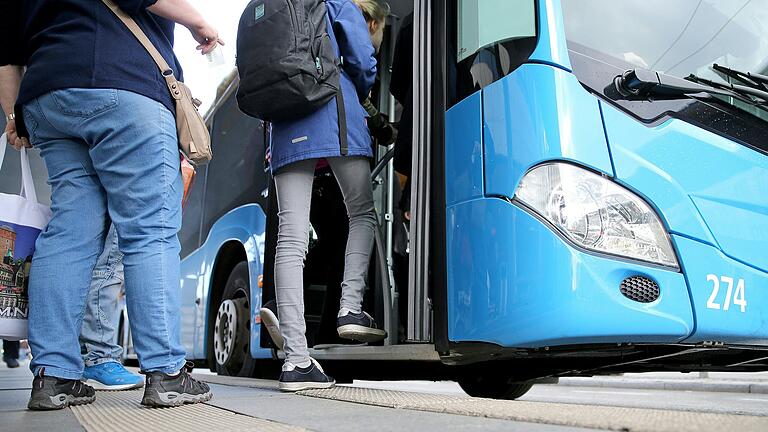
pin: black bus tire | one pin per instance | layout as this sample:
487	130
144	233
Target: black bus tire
486	387
232	326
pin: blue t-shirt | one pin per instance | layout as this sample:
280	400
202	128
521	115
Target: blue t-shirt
82	44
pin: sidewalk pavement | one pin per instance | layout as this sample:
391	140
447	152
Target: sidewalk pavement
733	382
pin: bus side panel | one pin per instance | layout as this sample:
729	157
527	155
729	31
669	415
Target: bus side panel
535	114
729	297
513	282
701	182
464	150
192	315
245	225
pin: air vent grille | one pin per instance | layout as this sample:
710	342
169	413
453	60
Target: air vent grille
640	289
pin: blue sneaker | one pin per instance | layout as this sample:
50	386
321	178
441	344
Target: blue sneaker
111	376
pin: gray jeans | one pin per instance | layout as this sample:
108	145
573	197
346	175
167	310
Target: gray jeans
294	194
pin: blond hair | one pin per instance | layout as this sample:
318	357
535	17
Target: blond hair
373	10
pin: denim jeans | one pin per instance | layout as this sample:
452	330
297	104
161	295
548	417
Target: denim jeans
98	337
111	155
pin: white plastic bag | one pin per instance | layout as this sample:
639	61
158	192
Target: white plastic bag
22	218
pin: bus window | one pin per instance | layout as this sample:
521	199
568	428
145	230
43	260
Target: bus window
238	145
486	41
487	23
189	235
690	38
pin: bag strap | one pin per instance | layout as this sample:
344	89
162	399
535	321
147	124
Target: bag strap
3	145
165	70
344	146
27	183
340	107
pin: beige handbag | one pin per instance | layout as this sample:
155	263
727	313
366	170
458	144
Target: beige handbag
194	139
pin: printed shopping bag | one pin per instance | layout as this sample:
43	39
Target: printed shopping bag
21	220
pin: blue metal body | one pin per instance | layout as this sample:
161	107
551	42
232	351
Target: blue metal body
711	192
245	227
515	282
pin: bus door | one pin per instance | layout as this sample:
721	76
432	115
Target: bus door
413	324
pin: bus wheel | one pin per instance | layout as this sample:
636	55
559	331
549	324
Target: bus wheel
487	387
232	326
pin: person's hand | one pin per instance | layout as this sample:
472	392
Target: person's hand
207	36
385	134
13	138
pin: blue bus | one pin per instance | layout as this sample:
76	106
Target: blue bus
589	196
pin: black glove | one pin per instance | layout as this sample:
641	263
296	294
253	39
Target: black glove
378	124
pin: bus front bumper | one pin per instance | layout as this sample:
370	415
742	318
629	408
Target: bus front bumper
514	282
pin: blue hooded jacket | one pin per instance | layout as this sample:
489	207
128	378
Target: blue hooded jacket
317	135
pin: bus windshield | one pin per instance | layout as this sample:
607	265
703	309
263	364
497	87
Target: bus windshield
674	37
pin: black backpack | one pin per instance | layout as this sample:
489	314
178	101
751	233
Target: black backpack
288	67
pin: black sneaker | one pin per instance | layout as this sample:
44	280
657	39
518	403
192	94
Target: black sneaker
51	393
360	327
163	390
294	378
11	362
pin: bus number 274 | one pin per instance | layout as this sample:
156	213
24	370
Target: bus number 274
731	297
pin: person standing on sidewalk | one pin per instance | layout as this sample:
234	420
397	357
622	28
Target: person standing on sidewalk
98	336
11	353
98	109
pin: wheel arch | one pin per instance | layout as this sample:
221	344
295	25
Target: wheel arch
235	237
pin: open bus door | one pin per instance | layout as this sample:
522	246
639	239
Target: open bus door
416	342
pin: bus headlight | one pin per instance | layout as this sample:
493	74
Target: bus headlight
596	213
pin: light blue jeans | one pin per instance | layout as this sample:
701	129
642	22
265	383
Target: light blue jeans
111	155
98	337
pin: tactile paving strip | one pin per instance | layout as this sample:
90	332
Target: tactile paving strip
121	412
586	416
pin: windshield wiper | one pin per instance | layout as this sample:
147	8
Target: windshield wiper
754	80
641	84
753	85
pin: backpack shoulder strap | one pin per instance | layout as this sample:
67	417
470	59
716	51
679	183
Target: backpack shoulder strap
341	109
344	145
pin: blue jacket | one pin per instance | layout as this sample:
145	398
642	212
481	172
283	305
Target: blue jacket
317	135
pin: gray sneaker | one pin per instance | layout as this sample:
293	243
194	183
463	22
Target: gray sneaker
163	390
51	393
